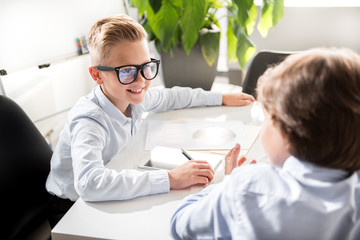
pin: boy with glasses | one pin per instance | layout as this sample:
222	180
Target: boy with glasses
103	122
311	134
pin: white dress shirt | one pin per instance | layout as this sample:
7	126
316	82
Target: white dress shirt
96	130
298	201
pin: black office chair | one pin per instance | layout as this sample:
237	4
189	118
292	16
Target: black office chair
258	65
25	164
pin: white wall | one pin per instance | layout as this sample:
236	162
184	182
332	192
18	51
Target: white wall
43	31
302	28
40	31
2	90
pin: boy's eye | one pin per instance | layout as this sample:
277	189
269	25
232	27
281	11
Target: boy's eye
127	74
148	73
150	70
128	70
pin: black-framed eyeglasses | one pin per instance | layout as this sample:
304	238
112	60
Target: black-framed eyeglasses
127	74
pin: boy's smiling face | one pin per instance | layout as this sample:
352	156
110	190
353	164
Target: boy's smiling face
125	53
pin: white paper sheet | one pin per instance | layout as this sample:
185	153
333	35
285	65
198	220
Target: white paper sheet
170	158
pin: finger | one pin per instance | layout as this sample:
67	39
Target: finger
195	164
236	149
244	102
205	173
228	155
235	152
241	161
200	180
199	161
232	156
205	166
248	96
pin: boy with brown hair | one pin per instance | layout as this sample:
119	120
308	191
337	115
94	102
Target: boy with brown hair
102	123
311	134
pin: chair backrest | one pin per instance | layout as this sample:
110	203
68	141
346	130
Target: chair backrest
258	65
25	164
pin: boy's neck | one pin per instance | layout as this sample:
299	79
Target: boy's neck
127	111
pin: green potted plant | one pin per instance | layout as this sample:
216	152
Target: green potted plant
191	28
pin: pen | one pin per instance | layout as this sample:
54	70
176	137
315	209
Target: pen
186	154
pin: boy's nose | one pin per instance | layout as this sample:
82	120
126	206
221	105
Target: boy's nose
140	78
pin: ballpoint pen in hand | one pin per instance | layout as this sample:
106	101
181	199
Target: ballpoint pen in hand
186	154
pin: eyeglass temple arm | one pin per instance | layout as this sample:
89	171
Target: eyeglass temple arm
105	68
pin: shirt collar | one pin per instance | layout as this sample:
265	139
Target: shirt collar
108	107
113	111
302	169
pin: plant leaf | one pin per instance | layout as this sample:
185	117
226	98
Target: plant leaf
250	23
266	18
245	12
278	11
155	5
176	39
216	4
209	42
158	45
272	12
141	5
164	22
232	41
146	26
191	22
245	49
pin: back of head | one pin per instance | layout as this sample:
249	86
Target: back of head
313	97
107	32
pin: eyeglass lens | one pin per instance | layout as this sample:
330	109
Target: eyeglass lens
128	74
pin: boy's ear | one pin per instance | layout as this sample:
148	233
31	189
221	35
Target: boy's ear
95	74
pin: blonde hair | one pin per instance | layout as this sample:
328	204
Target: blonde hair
313	98
107	32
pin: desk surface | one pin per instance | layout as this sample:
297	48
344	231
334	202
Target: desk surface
145	217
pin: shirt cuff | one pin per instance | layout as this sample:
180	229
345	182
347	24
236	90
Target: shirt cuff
159	181
214	99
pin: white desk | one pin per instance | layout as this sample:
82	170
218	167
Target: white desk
145	217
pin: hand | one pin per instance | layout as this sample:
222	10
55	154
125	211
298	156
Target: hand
231	159
191	173
237	99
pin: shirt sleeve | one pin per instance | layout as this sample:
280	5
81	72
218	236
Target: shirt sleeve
93	181
159	100
205	215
